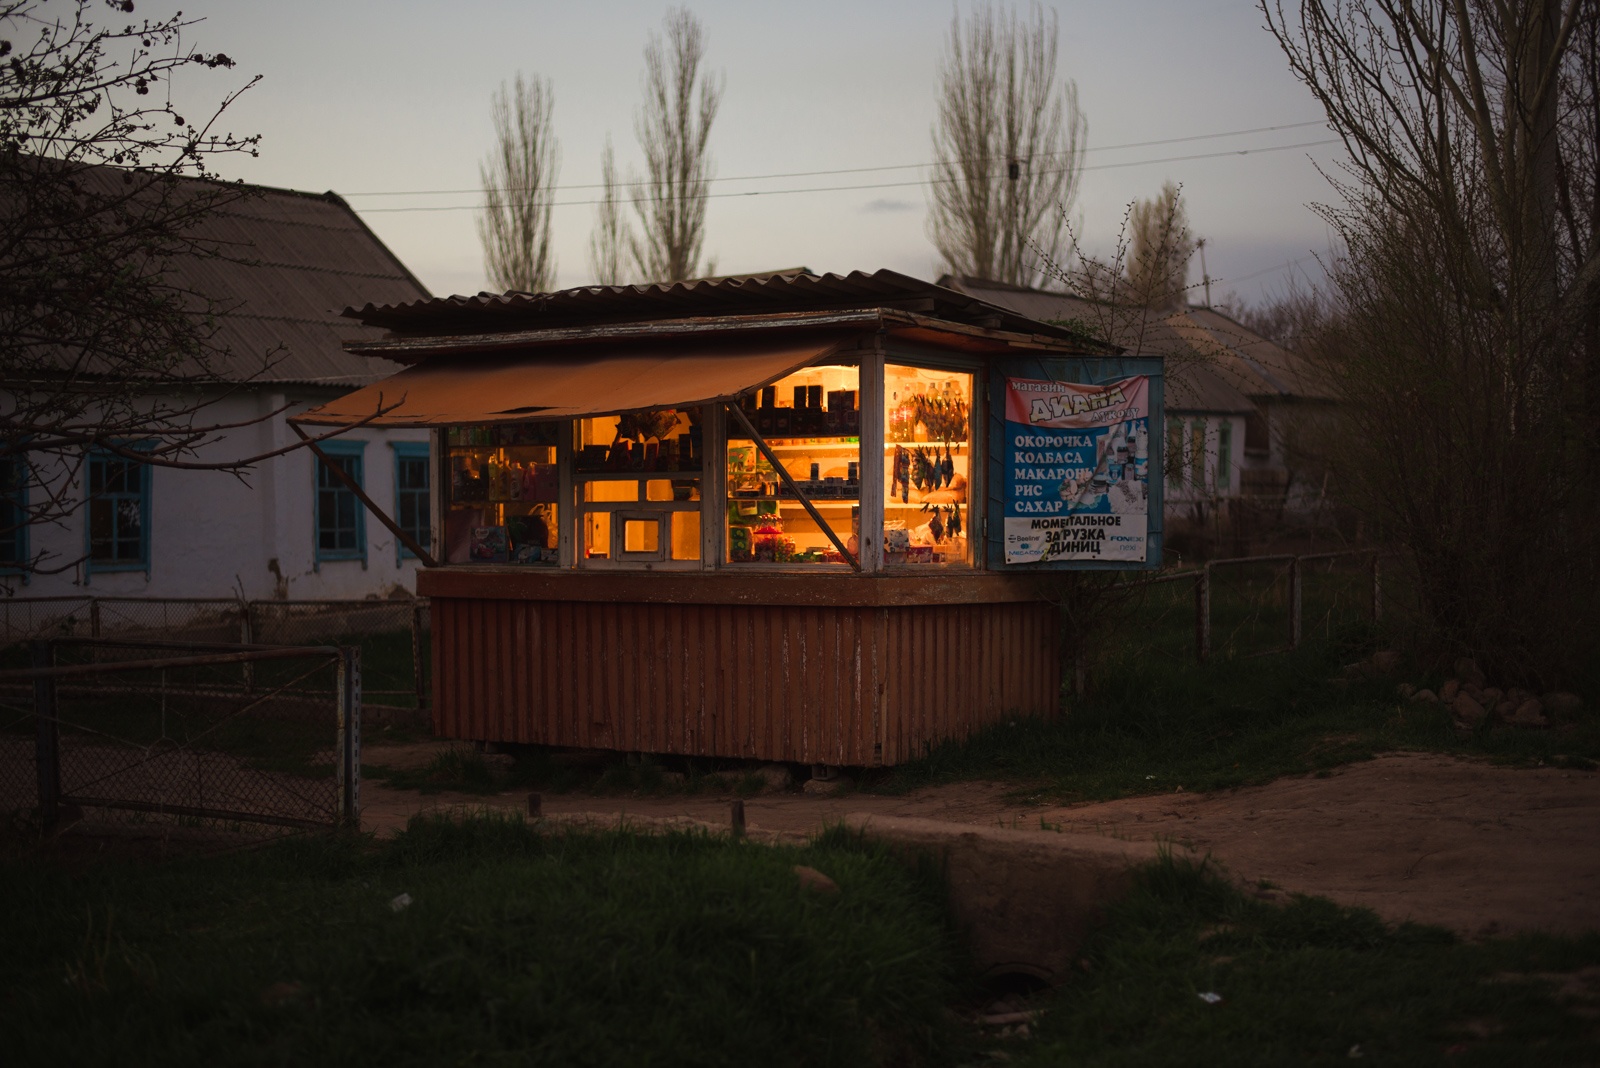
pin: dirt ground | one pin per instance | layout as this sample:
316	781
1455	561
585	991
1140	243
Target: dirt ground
1480	849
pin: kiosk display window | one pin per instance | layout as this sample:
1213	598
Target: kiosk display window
927	466
502	494
638	480
811	422
778	477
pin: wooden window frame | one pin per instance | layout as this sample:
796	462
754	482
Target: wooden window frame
98	457
336	450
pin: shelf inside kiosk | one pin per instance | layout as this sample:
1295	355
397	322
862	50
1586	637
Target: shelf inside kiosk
811	421
502	488
927	466
639	485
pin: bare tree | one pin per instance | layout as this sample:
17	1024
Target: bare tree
1295	318
1008	147
104	182
518	179
1160	247
674	127
1467	327
609	243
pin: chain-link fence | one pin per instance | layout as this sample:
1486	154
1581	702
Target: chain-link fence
138	731
391	634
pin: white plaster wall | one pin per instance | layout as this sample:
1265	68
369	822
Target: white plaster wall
1188	492
213	534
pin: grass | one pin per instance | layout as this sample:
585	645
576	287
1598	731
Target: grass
614	948
567	949
1156	724
1306	983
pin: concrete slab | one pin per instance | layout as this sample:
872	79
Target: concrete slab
1027	898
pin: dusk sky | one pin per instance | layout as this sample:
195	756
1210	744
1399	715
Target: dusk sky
388	105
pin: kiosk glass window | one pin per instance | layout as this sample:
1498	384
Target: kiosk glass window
502	487
927	467
811	420
639	482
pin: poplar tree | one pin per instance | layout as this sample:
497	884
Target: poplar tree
519	179
1008	148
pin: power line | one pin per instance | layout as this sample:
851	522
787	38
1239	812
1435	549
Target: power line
885	185
1268	270
857	170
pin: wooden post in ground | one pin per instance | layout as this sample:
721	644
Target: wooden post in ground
1202	615
349	736
47	737
1294	603
418	680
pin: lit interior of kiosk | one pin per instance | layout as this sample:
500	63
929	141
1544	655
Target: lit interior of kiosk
638	479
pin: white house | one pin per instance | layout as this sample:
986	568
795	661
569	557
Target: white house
1238	405
287	529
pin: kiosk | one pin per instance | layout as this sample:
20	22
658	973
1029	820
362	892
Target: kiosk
788	517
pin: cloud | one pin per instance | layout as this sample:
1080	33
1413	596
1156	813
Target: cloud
883	206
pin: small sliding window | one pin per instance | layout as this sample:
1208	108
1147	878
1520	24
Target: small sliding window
639	480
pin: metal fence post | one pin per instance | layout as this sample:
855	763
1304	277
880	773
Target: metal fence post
1377	587
47	739
349	736
94	617
1202	614
417	611
247	637
1294	603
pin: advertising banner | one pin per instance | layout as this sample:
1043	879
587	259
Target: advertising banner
1077	484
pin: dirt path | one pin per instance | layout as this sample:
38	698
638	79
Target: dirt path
1470	846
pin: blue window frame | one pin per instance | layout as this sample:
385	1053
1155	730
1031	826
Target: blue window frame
1225	456
118	529
412	482
13	514
341	521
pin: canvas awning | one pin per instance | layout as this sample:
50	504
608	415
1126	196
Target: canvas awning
572	381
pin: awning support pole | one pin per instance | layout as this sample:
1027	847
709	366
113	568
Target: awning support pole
783	473
379	514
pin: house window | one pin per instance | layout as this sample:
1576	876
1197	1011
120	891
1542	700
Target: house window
1225	456
341	522
119	513
1174	457
13	513
1256	439
411	485
1197	454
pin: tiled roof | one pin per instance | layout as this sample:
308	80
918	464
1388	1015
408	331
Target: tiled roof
291	262
1214	363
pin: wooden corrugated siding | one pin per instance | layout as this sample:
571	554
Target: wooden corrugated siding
952	668
846	685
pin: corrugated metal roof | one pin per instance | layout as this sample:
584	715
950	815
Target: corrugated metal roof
1216	363
1259	367
292	261
770	294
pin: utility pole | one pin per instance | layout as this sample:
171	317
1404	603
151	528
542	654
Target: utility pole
1205	279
